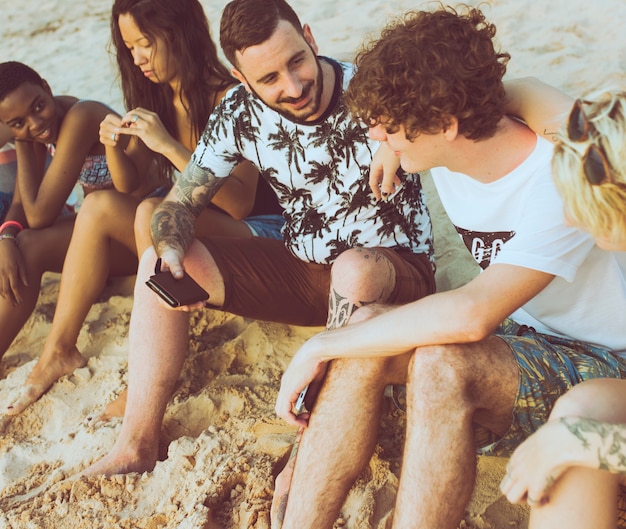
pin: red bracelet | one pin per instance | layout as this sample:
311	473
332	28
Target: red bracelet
10	223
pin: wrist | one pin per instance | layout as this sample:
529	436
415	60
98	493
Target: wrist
9	236
11	227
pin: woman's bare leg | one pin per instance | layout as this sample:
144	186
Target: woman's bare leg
43	251
102	244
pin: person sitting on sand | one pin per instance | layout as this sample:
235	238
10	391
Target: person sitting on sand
342	249
572	469
35	235
171	80
484	363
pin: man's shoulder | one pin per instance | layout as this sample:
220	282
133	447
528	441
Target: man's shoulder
346	69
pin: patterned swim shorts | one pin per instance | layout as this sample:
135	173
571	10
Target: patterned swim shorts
548	367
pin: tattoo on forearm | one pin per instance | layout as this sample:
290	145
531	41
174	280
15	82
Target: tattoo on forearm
607	441
172	224
196	187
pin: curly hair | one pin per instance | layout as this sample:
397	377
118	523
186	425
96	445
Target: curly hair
247	23
599	209
428	67
183	25
13	74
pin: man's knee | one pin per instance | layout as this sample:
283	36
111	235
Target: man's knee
366	371
364	273
442	372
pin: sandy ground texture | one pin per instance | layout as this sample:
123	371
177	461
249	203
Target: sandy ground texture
222	443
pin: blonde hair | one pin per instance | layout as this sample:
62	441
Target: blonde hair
599	209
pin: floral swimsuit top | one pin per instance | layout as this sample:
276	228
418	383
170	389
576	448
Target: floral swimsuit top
94	173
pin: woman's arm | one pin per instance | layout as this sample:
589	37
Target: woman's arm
541	106
237	196
43	194
128	159
558	445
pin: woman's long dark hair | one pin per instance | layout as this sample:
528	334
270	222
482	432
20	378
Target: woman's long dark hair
183	25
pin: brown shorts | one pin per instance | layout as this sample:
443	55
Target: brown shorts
264	281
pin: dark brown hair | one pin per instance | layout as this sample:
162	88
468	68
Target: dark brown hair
183	25
248	23
428	67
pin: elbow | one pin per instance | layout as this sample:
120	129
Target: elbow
239	210
474	322
38	222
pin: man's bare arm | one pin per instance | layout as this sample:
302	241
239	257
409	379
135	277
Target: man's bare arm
544	108
172	224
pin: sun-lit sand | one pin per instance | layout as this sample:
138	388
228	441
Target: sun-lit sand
222	443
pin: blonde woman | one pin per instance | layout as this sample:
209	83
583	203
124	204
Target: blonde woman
571	471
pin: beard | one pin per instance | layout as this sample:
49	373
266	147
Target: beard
310	110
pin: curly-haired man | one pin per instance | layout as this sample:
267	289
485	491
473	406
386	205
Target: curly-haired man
484	363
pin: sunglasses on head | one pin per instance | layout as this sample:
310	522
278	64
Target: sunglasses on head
595	163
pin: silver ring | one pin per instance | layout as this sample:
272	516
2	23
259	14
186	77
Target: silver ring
113	136
134	118
531	502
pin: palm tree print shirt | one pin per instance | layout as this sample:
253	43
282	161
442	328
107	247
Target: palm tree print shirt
319	171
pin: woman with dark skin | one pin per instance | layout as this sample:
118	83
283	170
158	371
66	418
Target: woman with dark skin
35	235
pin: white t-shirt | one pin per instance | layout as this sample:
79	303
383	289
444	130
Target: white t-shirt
518	220
319	172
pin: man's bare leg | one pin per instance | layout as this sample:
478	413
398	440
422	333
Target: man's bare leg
348	406
158	342
449	388
340	438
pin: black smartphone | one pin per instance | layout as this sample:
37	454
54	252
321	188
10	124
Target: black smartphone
176	292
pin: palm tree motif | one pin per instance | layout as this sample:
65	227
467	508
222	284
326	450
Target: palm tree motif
312	225
339	245
324	172
289	142
351	137
356	198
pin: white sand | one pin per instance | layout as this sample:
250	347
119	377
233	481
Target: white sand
221	437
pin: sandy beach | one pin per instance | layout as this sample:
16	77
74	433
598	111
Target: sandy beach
222	444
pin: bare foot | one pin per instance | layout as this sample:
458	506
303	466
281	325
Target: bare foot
48	369
114	409
123	461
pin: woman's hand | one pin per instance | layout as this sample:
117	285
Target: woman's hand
147	126
109	130
540	460
12	272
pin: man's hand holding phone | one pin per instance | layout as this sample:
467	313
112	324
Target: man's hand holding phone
178	292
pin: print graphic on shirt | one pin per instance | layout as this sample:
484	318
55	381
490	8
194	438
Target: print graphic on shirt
484	246
320	173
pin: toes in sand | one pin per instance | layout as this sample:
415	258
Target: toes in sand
45	373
